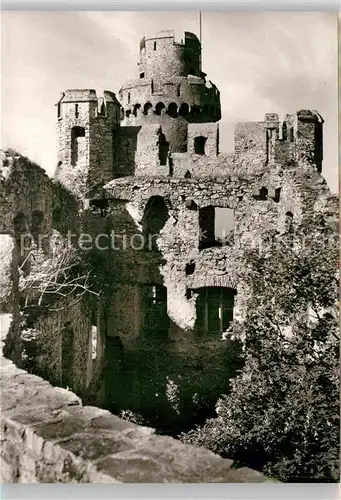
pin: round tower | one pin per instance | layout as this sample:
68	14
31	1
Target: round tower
170	88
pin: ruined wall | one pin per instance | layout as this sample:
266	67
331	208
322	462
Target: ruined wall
58	340
48	436
25	196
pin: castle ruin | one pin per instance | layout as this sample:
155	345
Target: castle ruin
145	166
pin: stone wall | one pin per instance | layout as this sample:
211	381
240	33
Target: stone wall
48	436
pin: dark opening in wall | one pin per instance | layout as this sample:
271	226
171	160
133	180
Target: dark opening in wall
291	134
216	227
199	145
319	146
129	97
142	75
100	206
163	149
173	110
155	320
19	223
76	111
154	218
184	110
190	268
191	205
284	129
154	45
77	144
68	347
178	89
136	108
159	107
289	222
188	175
262	195
147	107
128	113
58	110
277	195
214	309
37	219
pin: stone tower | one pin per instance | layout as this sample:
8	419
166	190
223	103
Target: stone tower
170	89
86	127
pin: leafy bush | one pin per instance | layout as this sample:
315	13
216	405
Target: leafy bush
282	413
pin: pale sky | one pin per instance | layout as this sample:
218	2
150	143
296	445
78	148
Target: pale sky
276	62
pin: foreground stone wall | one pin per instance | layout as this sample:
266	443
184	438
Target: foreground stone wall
47	435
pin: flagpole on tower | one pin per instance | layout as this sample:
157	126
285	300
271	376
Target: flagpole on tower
200	37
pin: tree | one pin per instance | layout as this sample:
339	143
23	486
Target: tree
282	412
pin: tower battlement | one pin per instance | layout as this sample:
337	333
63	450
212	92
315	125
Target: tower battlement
86	127
296	139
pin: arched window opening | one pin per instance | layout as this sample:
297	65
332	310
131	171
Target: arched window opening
128	113
159	107
199	145
19	223
188	175
184	110
163	149
154	45
214	309
136	108
76	111
178	89
67	355
216	227
147	108
142	75
78	145
154	218
173	110
155	320
129	97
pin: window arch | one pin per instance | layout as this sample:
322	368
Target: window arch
159	107
199	145
19	223
184	109
154	218
163	149
173	110
147	108
77	144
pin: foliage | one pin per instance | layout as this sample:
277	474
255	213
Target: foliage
282	412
